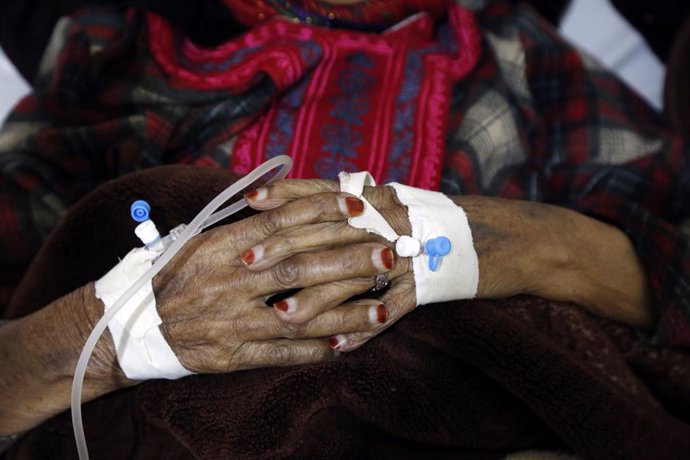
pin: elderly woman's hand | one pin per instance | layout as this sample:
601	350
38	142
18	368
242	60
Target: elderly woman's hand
305	306
522	247
213	308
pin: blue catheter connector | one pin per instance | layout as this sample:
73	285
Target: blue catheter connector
435	249
140	210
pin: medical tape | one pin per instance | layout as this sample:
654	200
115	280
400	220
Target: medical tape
431	215
142	351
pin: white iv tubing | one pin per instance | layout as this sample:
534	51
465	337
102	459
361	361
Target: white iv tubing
202	220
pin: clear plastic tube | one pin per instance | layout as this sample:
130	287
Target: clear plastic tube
202	220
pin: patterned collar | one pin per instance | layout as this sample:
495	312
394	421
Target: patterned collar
347	100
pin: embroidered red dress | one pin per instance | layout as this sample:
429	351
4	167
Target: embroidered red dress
351	101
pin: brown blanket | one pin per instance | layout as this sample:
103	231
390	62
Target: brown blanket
470	379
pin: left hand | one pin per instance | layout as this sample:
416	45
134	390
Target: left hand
400	298
523	248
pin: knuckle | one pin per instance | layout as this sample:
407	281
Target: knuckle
236	358
251	327
270	222
317	354
280	354
343	321
286	274
282	244
291	330
359	261
325	204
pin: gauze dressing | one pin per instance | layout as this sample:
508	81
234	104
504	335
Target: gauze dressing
434	218
142	351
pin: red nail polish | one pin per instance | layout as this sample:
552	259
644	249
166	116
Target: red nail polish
251	195
248	256
355	207
282	305
381	313
334	343
387	258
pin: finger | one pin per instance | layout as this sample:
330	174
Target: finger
399	300
309	303
280	192
297	240
311	269
384	198
357	316
281	352
323	207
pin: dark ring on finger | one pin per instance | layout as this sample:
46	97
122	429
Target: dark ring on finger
380	282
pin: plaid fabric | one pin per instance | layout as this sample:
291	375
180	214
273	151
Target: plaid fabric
534	120
542	121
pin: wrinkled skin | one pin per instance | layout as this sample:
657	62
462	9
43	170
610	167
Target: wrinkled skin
522	247
212	295
213	308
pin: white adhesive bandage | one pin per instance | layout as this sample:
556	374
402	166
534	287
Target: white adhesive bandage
142	351
431	215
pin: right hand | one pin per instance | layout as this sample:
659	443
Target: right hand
213	307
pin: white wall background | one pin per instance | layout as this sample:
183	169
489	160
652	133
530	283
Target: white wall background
596	27
12	86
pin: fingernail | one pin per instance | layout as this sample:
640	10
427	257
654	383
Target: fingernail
288	305
248	257
383	259
337	342
259	194
355	206
252	255
378	314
